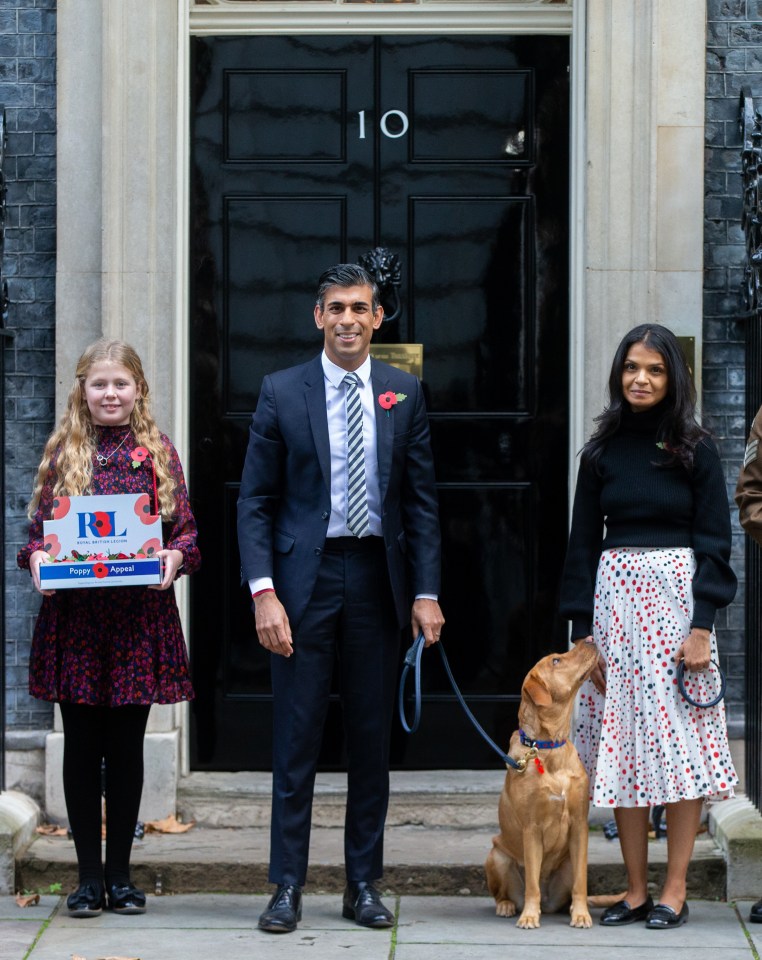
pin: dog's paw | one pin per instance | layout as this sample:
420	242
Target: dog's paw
580	918
505	908
528	921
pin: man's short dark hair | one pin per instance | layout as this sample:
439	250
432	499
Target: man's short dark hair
348	275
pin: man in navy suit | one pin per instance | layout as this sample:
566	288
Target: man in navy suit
340	557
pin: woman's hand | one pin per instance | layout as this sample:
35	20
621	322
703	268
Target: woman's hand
696	651
36	560
172	561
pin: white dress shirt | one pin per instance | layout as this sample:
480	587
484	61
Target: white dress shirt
336	409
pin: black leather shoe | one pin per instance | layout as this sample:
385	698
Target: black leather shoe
362	904
663	917
283	910
86	901
755	914
125	898
621	913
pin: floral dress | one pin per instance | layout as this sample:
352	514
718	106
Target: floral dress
114	646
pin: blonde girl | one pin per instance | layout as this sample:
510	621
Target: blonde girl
105	655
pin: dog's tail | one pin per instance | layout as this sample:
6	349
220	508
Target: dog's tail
606	899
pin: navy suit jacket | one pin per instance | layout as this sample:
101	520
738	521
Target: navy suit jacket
285	503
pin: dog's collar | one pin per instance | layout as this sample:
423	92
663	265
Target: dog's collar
539	744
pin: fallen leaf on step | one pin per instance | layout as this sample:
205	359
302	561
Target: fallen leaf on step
27	899
169	824
51	830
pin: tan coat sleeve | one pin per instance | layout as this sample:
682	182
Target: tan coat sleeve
749	490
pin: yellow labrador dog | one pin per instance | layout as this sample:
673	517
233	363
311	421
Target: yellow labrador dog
539	859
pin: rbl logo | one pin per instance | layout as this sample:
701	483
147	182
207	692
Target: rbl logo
102	523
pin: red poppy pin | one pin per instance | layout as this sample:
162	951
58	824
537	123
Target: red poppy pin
389	399
100	570
138	456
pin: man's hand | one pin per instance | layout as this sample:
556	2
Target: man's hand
273	628
696	651
427	618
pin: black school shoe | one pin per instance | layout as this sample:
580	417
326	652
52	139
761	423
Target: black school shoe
86	901
755	914
125	898
663	917
621	913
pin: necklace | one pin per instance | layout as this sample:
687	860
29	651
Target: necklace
104	460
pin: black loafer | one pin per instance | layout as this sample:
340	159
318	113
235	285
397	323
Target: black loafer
362	904
755	914
663	917
86	901
621	913
283	911
125	898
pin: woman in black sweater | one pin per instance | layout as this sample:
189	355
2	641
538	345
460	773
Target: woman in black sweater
646	570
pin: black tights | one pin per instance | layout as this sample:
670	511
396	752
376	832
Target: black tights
92	734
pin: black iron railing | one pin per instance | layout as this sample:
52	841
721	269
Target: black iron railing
751	222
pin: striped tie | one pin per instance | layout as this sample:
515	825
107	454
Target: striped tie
357	499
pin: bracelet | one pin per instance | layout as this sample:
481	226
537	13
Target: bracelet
260	592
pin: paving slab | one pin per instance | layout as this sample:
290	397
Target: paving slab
190	927
754	929
711	926
19	927
199	927
465	951
10	910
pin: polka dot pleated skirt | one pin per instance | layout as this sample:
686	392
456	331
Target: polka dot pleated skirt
643	744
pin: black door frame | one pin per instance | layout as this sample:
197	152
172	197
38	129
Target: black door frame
573	425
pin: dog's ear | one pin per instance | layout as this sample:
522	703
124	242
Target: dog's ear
537	691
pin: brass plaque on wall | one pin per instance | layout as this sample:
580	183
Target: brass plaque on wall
406	356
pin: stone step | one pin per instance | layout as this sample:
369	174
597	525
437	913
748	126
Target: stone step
439	831
419	859
437	798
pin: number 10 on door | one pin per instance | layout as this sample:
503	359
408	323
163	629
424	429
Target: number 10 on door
384	124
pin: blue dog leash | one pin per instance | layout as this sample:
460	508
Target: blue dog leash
413	662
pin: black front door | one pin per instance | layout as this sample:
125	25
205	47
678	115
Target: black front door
452	153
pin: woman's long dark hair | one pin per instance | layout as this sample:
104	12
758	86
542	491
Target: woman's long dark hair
678	428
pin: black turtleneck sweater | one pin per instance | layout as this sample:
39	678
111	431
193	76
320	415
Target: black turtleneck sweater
643	504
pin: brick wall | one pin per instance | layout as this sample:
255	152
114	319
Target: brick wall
28	92
734	59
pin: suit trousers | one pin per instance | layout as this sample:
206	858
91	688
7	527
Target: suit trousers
350	622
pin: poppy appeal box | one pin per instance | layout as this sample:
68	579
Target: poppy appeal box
102	541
